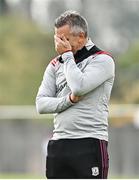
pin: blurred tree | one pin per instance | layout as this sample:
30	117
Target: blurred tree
126	86
126	17
57	7
120	24
3	7
25	6
24	55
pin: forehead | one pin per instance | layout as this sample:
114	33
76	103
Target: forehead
63	30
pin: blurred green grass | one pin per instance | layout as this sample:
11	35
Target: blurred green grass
20	176
30	176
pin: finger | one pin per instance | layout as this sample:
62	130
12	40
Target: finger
64	39
59	41
57	38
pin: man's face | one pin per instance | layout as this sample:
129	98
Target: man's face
74	40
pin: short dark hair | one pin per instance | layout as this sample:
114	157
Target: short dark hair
76	22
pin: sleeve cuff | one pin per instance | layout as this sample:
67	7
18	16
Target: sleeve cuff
67	56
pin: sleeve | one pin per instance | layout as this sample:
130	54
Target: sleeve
97	71
46	100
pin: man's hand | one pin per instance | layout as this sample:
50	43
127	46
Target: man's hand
62	44
74	98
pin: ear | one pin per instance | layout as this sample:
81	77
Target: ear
81	37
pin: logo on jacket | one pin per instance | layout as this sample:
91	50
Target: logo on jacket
79	65
95	171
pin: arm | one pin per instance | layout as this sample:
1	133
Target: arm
96	72
46	100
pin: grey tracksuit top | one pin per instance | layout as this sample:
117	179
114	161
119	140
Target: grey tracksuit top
93	80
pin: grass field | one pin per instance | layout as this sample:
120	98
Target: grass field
20	176
31	176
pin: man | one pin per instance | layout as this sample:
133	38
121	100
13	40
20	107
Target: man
77	86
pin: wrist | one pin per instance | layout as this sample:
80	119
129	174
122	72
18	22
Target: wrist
67	56
68	50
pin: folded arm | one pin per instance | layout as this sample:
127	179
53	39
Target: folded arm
46	100
95	73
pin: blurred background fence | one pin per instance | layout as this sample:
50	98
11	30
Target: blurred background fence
24	136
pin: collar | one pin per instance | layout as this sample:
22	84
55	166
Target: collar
88	50
89	44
